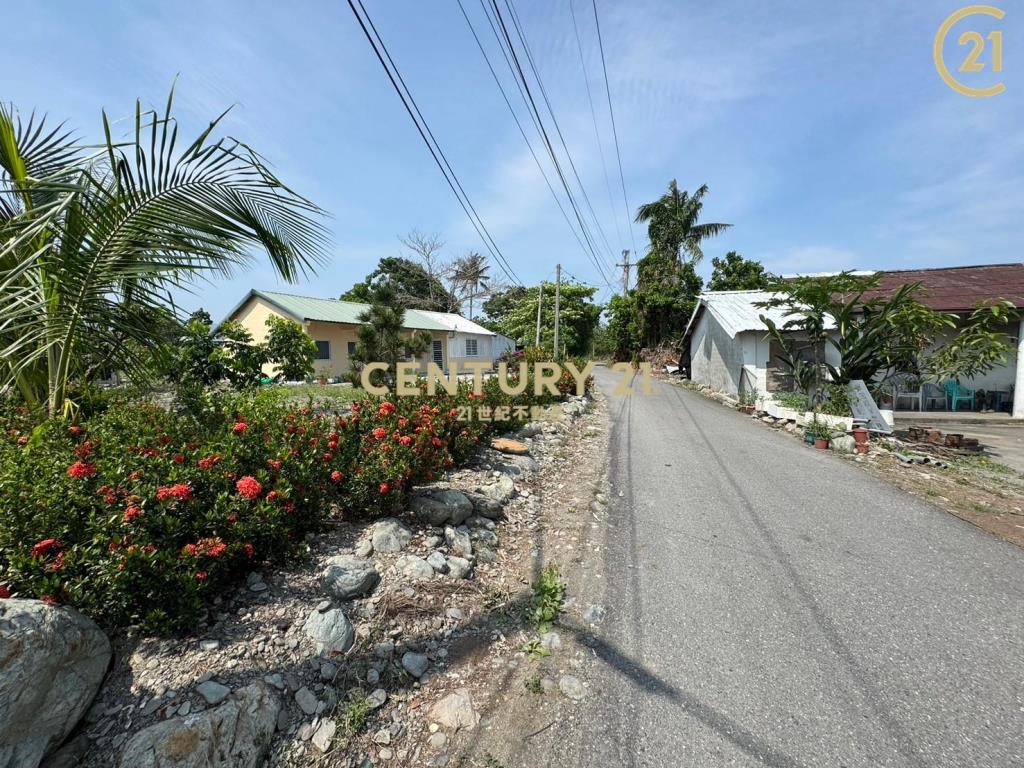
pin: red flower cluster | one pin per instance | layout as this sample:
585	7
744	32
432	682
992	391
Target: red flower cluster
380	433
249	487
131	513
385	409
4	592
213	547
202	575
80	470
46	546
240	427
178	491
209	462
336	476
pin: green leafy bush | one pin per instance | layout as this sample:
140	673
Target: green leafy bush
137	513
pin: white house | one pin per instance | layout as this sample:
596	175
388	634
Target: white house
725	345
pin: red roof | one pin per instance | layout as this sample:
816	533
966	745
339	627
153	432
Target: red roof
958	288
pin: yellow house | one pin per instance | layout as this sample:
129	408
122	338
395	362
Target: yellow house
333	324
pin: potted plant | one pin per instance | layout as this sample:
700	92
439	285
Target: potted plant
321	375
748	401
822	433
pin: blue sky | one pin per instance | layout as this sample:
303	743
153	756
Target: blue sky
822	129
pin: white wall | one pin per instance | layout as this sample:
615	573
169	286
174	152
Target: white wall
716	359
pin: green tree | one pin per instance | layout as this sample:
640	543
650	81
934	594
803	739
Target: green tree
290	348
382	337
413	285
202	358
735	273
578	318
500	303
470	275
91	242
672	226
665	296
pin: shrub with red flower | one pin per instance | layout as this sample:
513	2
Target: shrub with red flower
81	470
249	487
46	546
336	476
202	575
178	492
240	427
380	433
209	462
131	513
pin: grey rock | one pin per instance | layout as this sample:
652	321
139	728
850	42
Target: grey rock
551	641
459	567
235	734
213	692
372	676
275	680
347	577
501	490
415	663
209	645
485	506
455	614
594	614
324	735
52	660
437	740
459	542
455	711
438	506
486	554
306	700
185	708
414	568
376	699
572	687
384	649
390	536
331	631
255	582
437	562
328	671
843	444
364	548
484	536
383	736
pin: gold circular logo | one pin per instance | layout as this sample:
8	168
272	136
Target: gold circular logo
978	44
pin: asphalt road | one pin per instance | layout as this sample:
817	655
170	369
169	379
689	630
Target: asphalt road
773	605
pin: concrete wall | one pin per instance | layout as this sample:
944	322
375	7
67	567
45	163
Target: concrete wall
716	359
253	317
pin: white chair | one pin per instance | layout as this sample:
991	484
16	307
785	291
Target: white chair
904	389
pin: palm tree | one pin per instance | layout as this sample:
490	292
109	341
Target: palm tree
672	223
470	273
92	241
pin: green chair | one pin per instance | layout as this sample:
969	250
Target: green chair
956	394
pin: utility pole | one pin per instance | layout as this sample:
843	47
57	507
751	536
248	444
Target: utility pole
625	271
540	303
558	297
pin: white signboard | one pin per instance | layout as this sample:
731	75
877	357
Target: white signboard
864	409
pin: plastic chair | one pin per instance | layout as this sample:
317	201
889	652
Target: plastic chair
955	394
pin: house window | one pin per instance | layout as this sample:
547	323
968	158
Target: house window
471	348
323	350
438	352
351	348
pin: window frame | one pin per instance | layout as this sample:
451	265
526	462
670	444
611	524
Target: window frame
318	342
476	347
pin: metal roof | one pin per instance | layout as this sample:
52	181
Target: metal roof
455	322
302	308
737	311
957	288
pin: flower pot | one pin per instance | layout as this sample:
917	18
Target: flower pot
748	409
821	443
860	436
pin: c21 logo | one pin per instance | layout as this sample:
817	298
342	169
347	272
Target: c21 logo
977	43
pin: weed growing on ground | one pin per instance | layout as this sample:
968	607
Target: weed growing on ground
534	650
490	761
533	685
548	596
355	714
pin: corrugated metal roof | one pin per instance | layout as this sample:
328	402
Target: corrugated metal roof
335	311
957	288
455	322
737	311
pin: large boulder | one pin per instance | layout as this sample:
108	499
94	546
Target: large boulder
330	630
390	536
501	490
52	661
347	577
439	506
414	568
235	734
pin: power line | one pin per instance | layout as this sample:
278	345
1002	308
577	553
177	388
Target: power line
522	81
593	115
615	132
384	57
519	124
544	93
